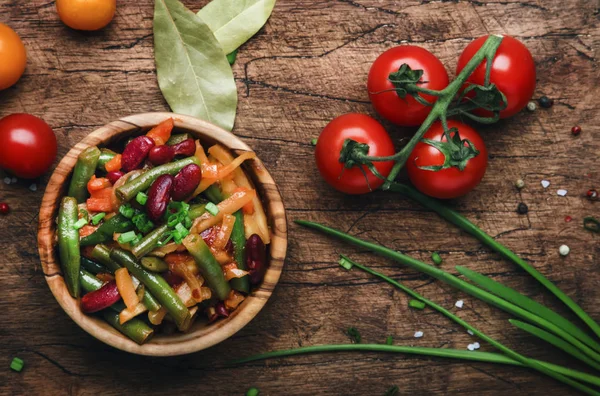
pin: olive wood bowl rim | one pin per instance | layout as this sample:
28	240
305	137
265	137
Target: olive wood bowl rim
198	338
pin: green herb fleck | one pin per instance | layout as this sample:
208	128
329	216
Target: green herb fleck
212	208
231	57
416	304
96	218
141	198
393	391
389	340
437	259
126	210
17	364
314	141
252	392
80	223
345	263
127	237
354	335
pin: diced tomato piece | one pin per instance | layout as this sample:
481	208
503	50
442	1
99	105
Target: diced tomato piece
86	230
97	183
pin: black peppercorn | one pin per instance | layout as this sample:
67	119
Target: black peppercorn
546	102
522	208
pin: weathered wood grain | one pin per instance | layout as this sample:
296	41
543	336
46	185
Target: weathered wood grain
306	66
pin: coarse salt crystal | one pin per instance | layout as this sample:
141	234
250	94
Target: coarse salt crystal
471	347
561	192
459	304
418	334
469	332
476	345
7	180
545	183
33	187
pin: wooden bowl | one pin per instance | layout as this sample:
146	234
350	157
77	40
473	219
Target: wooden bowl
201	335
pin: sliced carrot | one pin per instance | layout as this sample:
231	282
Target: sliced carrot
130	313
114	164
229	206
162	132
249	207
97	184
87	230
234	299
126	288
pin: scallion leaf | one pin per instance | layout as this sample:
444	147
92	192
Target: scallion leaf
416	304
96	218
212	208
127	237
126	210
345	263
141	198
80	223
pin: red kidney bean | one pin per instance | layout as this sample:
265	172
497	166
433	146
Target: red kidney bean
186	182
159	195
113	176
187	148
256	259
100	299
159	155
136	152
221	310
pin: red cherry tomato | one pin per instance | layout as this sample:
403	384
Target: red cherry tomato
450	182
513	72
407	111
363	129
27	145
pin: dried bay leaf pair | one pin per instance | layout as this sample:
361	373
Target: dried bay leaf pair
190	50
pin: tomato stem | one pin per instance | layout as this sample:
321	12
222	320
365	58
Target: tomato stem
440	108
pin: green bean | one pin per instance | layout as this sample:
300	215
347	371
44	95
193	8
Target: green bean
84	169
105	156
150	241
207	265
178	138
102	254
196	211
68	244
130	189
104	233
154	264
238	237
134	328
88	281
157	286
93	266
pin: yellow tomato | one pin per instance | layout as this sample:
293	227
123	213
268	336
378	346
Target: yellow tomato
86	14
13	55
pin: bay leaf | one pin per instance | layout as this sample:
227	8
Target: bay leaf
233	22
192	69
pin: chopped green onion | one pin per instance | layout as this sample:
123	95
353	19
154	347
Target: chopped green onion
354	335
416	304
231	57
127	237
179	227
126	210
96	218
187	222
314	141
252	392
17	364
138	239
389	340
80	223
141	198
84	213
437	259
142	223
345	263
212	208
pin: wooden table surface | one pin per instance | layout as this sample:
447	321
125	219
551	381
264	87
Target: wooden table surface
308	65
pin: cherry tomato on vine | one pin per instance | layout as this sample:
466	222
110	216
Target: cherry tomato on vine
513	72
13	57
450	182
86	14
27	145
404	111
363	129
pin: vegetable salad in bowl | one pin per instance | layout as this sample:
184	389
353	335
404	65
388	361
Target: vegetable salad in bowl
160	231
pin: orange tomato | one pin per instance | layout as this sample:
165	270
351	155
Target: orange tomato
13	55
86	14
